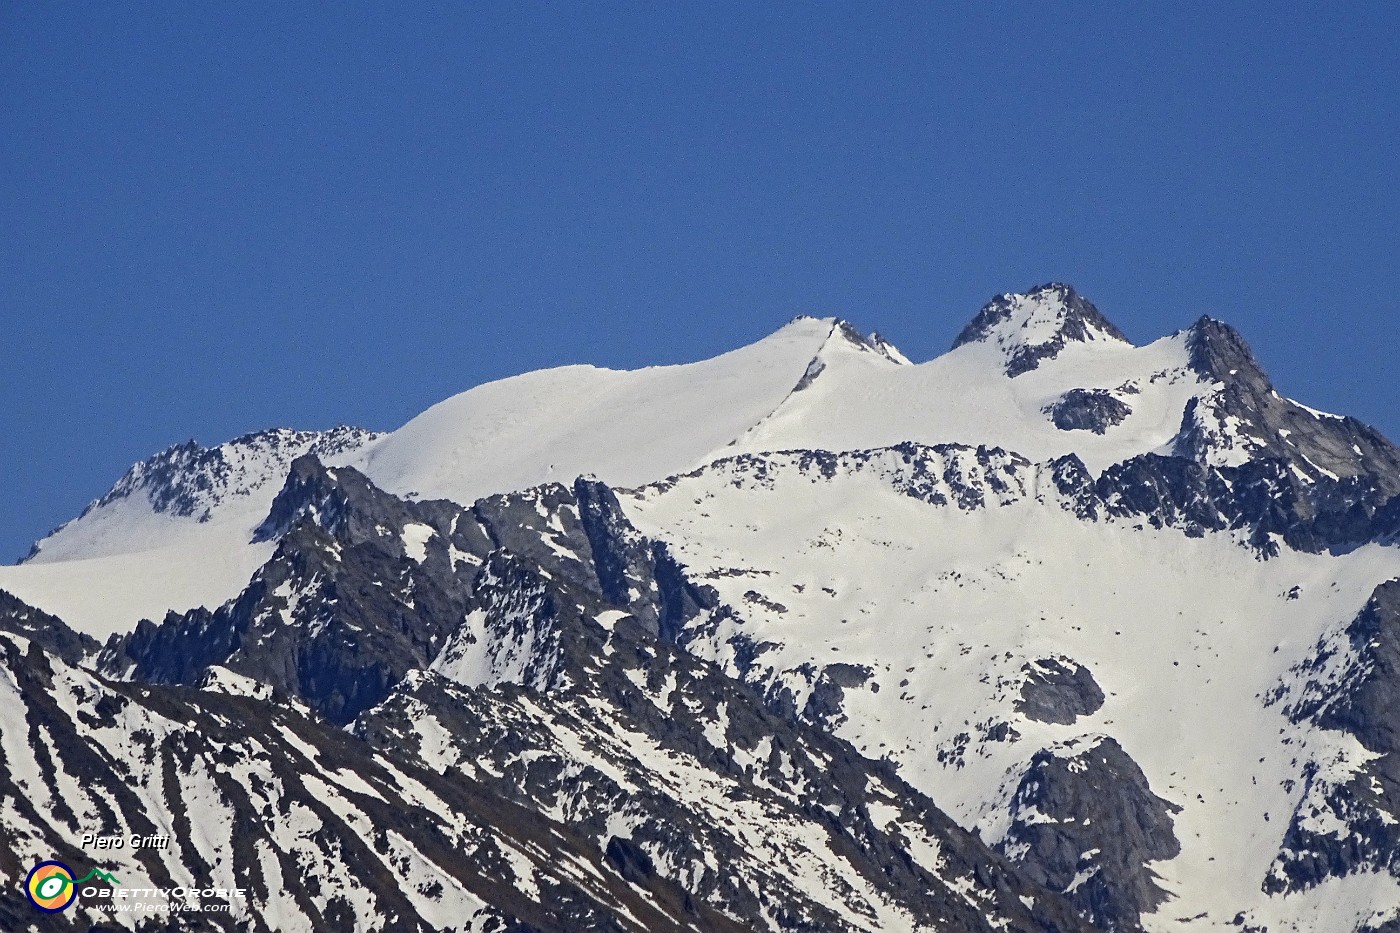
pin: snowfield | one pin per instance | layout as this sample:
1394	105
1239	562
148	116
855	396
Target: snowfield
946	607
901	554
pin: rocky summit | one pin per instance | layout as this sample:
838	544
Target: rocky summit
1050	633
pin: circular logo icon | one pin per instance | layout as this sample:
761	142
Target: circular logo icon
50	887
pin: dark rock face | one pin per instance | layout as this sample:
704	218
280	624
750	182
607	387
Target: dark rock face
336	617
829	684
1263	498
344	610
1058	690
342	503
338	548
1086	823
1079	321
1170	492
49	632
1324	449
1094	410
622	557
630	860
1351	684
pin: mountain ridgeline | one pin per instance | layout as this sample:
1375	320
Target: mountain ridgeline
1050	633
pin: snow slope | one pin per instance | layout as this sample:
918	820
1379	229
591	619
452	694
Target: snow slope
175	496
107	595
946	606
174	533
964	397
627	428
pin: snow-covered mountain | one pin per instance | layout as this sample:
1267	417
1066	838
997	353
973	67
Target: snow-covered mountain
1051	631
174	532
522	749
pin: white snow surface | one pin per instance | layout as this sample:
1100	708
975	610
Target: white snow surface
626	428
965	397
205	566
808	385
946	606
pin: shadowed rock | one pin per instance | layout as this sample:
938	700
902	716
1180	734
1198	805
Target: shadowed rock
1094	410
1058	690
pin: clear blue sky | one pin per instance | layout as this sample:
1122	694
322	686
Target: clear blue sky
216	218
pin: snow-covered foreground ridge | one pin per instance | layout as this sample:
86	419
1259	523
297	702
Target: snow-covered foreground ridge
1049	630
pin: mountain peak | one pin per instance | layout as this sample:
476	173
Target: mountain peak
840	332
1218	351
189	481
1035	326
871	344
845	338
